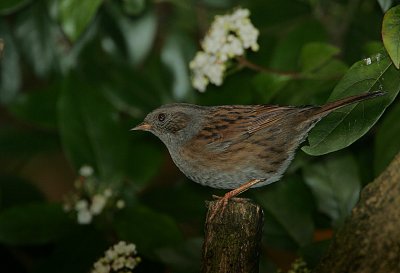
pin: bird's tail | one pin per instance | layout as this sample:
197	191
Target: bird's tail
331	106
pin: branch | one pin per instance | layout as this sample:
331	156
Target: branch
369	242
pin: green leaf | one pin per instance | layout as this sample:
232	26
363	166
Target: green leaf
385	4
75	15
313	252
10	6
267	85
90	129
289	48
391	34
92	133
335	184
17	143
235	90
185	257
76	251
148	229
343	127
17	191
133	7
25	107
10	71
174	57
138	99
185	203
387	143
39	39
138	33
38	223
289	202
315	55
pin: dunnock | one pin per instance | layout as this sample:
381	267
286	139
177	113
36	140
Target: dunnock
236	146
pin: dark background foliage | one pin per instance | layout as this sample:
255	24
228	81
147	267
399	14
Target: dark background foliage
77	75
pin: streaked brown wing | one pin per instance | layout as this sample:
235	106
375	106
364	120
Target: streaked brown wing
227	125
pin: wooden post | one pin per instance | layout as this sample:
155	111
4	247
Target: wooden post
233	238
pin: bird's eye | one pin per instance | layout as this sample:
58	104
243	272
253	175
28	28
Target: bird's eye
161	117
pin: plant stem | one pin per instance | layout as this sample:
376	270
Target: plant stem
243	62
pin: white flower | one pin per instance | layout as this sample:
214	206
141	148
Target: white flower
228	37
120	204
207	68
101	267
86	171
120	247
108	192
118	263
130	263
200	82
81	205
131	249
121	256
110	254
98	203
84	217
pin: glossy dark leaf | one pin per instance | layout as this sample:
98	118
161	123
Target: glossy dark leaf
343	127
144	27
25	107
17	191
75	16
387	143
10	71
133	7
385	4
148	229
335	184
10	6
90	131
235	90
77	251
38	223
184	202
184	258
268	85
315	55
290	203
390	34
313	252
288	49
39	39
21	143
131	92
174	57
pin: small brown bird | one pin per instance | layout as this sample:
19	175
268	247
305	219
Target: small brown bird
236	146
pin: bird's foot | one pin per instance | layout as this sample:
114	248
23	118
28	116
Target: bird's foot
221	204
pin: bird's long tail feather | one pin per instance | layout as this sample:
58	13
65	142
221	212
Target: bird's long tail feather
331	106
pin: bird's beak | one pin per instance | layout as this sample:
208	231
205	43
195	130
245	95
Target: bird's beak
142	127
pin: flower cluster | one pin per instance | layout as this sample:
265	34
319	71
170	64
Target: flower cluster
88	199
119	258
229	36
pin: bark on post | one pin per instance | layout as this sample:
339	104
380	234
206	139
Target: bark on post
369	242
233	238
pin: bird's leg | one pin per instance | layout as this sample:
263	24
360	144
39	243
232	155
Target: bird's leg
223	201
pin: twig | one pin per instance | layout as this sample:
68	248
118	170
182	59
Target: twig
243	62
